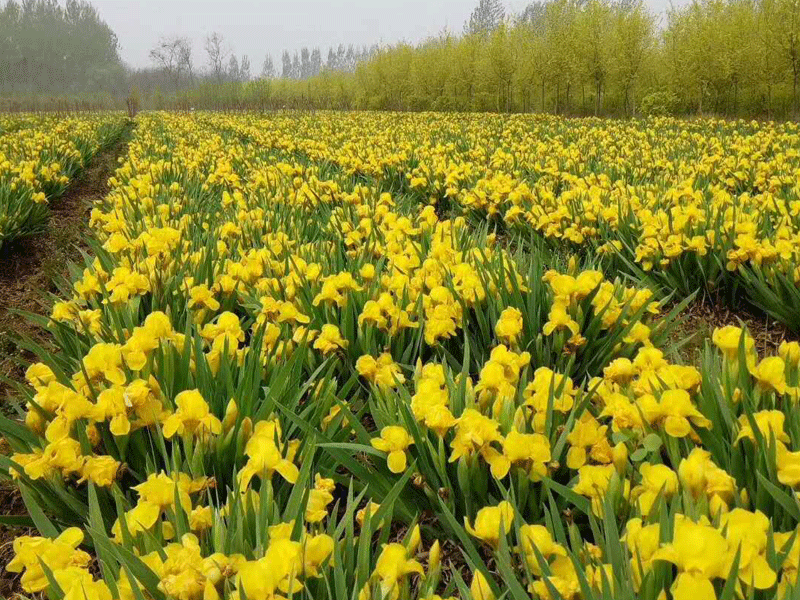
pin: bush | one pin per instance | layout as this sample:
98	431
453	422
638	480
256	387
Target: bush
658	104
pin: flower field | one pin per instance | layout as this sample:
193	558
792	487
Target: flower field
38	157
395	356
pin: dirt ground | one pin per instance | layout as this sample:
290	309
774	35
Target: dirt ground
31	270
699	320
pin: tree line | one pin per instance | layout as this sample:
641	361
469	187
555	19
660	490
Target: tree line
572	57
173	58
735	58
310	63
50	49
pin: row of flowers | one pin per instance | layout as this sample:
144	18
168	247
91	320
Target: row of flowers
38	157
708	207
280	378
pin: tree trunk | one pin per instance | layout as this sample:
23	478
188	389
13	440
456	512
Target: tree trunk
769	101
583	97
597	98
627	96
700	103
558	95
543	109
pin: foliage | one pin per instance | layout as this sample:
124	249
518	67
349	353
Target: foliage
723	57
50	49
658	104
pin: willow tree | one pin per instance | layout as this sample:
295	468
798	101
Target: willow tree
787	34
465	69
769	67
502	64
532	72
633	38
593	26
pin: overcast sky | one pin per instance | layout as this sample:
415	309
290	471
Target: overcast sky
257	28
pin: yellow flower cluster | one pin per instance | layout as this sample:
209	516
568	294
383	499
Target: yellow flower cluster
707	205
38	156
298	365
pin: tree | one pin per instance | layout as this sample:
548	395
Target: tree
593	26
234	74
787	33
633	38
268	69
465	69
297	69
486	17
173	56
185	59
49	49
768	53
502	59
286	60
244	69
533	15
305	63
531	28
562	62
350	59
216	53
332	63
341	57
729	57
316	62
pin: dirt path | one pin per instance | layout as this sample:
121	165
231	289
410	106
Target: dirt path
30	270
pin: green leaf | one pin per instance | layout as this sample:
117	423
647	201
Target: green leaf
132	562
43	524
652	442
789	503
510	579
583	504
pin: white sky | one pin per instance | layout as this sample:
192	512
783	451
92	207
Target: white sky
268	27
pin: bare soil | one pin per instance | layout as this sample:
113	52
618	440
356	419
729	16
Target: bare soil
702	317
